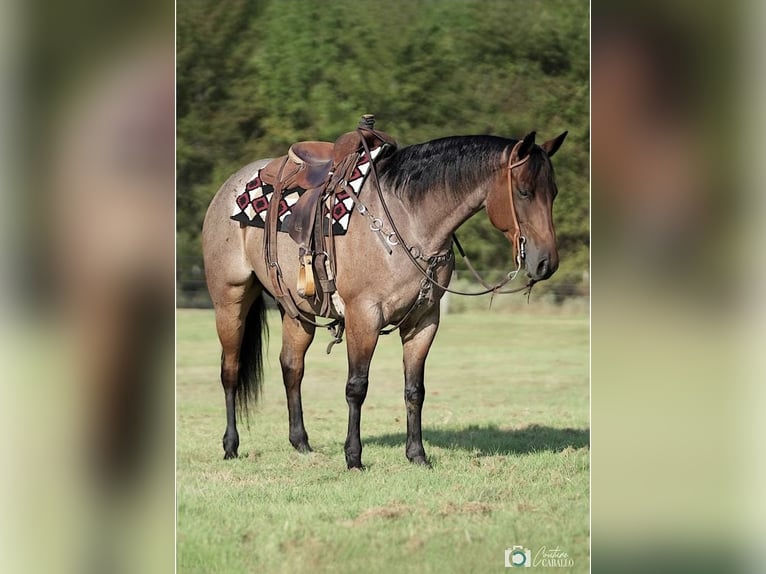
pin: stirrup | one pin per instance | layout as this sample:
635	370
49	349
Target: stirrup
306	285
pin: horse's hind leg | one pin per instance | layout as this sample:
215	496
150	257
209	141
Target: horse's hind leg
296	338
231	311
416	342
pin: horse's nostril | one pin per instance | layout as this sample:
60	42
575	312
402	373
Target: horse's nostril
542	268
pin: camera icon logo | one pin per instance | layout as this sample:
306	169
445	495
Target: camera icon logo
518	556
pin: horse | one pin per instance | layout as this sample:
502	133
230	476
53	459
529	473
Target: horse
416	198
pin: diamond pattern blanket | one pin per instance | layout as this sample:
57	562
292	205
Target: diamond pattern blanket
253	201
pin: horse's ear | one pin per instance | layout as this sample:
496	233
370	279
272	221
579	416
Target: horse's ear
552	146
526	145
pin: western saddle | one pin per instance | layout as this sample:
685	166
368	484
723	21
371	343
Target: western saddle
322	169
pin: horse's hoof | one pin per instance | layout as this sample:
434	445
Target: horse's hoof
302	446
355	464
230	445
420	461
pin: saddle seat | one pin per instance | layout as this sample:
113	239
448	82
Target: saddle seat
312	153
315	159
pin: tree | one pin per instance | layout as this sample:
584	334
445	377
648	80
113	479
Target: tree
253	77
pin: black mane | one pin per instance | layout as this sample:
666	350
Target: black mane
452	164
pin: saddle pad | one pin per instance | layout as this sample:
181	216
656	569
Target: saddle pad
253	201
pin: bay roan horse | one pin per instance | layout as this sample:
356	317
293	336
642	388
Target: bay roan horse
430	189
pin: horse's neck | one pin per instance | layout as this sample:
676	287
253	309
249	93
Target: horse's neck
433	222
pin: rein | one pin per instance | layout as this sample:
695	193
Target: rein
518	243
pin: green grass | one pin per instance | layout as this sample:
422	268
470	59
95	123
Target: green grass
505	424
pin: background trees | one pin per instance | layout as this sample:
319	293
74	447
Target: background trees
253	77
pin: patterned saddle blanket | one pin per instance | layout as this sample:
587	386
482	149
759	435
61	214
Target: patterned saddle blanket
253	201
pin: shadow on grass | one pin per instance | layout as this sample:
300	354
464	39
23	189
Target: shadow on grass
490	440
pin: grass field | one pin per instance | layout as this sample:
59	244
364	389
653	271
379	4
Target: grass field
505	425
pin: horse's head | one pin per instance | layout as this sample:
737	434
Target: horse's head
521	205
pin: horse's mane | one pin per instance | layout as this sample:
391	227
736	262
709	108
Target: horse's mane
451	166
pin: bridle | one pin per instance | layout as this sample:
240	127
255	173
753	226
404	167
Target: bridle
519	240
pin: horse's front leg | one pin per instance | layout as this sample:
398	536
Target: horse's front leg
296	338
416	342
362	328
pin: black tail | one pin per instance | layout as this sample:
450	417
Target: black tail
254	339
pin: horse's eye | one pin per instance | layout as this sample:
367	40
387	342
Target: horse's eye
523	192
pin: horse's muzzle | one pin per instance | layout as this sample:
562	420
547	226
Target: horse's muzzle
544	269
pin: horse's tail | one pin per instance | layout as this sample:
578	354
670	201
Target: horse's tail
254	339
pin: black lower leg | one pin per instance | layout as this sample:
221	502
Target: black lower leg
414	395
298	436
231	436
292	375
356	392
